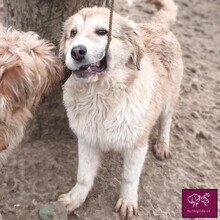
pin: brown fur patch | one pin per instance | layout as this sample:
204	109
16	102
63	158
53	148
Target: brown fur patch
13	85
27	69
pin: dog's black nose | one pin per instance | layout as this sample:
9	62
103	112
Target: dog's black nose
78	52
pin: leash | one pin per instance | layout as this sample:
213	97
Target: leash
110	25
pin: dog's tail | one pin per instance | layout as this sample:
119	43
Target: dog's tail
167	11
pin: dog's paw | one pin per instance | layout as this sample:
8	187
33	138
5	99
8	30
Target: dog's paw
126	209
161	150
70	203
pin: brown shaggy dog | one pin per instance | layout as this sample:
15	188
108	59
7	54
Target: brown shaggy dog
27	69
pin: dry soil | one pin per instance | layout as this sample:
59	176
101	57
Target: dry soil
42	169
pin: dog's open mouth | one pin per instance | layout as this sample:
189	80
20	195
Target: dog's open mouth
85	71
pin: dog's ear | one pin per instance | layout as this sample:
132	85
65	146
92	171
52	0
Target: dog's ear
14	86
44	67
133	36
138	50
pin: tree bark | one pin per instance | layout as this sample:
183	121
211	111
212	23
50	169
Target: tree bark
46	17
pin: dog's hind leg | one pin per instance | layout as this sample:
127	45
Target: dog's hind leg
161	147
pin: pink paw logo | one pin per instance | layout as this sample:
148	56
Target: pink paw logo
195	199
199	203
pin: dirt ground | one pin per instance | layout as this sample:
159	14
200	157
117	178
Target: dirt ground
42	169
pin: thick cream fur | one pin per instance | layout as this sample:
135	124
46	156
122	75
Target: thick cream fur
118	109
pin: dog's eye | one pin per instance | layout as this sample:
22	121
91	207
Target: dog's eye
73	33
101	32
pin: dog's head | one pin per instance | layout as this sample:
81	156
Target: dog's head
84	40
27	68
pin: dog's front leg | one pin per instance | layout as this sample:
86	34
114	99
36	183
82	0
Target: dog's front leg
88	162
127	204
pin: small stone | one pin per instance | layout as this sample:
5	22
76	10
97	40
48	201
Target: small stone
1	218
53	211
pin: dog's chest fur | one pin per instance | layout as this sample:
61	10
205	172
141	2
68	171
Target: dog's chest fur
109	117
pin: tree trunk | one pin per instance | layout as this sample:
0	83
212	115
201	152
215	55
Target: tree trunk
46	18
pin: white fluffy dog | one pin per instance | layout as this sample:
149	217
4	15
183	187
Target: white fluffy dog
113	100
